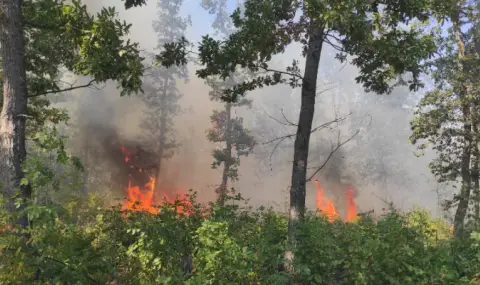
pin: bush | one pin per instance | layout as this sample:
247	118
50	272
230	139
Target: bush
208	244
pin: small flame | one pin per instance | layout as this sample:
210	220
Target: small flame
327	207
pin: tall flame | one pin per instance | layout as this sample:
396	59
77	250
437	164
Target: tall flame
324	204
141	200
351	205
327	207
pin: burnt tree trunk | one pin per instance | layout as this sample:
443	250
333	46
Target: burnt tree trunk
222	190
302	139
13	115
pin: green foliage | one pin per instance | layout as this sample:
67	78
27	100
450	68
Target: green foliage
372	32
62	36
445	118
81	242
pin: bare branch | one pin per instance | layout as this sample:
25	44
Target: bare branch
281	139
285	118
335	149
336	46
328	124
72	87
332	152
287	123
324	90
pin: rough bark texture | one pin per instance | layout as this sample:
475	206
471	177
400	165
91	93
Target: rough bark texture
302	139
464	197
222	190
12	117
475	175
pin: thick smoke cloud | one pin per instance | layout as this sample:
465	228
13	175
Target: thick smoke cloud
379	160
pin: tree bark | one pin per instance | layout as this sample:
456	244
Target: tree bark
13	115
222	190
302	139
464	198
475	173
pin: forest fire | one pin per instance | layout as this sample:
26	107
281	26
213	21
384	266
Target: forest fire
142	185
327	207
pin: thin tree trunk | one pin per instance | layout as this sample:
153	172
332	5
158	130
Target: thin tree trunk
464	198
475	176
163	127
302	139
222	190
86	163
13	115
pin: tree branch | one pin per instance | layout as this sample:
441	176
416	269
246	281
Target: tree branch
328	41
279	140
332	152
72	87
335	148
286	123
281	72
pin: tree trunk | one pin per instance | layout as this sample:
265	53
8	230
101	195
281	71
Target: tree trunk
475	175
86	163
464	198
222	190
13	115
302	139
163	127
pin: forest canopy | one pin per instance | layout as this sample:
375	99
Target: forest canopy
61	169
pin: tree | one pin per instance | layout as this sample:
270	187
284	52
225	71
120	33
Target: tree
369	31
40	39
235	140
13	115
229	131
161	94
447	116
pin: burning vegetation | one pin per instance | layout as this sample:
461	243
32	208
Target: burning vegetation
327	207
143	190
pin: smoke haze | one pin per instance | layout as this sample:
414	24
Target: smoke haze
379	160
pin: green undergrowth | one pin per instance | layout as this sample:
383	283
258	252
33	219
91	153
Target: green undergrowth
81	242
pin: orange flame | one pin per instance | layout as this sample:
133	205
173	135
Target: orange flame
351	205
144	198
324	204
327	207
141	200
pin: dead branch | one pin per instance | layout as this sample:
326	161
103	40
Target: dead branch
286	123
335	148
332	152
281	139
